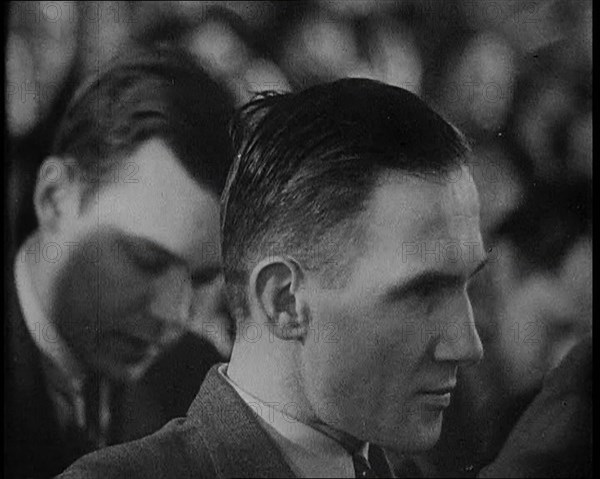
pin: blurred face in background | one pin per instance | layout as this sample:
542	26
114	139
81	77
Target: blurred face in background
541	314
143	261
392	336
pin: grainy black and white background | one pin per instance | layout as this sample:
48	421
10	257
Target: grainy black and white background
515	76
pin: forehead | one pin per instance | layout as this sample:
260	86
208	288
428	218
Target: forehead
152	196
408	217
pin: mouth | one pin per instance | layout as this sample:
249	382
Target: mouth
438	397
130	349
439	391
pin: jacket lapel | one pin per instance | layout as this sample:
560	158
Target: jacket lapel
237	444
31	432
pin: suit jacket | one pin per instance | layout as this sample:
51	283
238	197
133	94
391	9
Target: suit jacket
553	437
220	437
33	446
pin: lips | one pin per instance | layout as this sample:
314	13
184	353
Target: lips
437	397
138	343
439	390
128	347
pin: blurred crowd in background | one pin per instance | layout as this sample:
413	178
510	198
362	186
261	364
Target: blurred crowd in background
515	76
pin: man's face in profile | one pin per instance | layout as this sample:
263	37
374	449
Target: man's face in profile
144	256
383	358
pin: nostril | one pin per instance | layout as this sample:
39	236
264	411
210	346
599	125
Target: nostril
478	350
157	327
480	354
170	335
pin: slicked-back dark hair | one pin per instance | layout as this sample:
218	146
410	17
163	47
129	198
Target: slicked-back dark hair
307	164
144	94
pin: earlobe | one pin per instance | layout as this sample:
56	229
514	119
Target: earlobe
275	284
55	197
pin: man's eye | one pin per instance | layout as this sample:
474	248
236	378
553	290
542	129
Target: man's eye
150	263
426	290
147	261
200	280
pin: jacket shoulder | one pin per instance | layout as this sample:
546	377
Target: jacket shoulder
176	450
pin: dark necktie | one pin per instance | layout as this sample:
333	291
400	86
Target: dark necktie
88	429
96	398
83	433
376	465
91	395
362	468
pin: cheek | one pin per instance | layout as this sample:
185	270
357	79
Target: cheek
101	290
360	370
121	288
332	353
207	302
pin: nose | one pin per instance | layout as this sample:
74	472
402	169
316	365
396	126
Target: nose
458	339
172	298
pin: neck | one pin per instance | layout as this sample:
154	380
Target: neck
269	370
269	373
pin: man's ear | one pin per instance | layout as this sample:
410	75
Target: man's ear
274	287
57	193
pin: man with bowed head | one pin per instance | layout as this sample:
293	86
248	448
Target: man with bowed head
125	257
351	355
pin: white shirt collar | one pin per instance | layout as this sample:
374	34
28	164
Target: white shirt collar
310	453
42	330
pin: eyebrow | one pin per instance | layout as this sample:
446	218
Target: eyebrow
206	274
431	278
139	241
479	267
201	275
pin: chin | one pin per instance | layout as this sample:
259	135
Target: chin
414	445
135	373
411	438
126	373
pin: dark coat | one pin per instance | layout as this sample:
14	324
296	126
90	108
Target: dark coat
220	437
33	446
